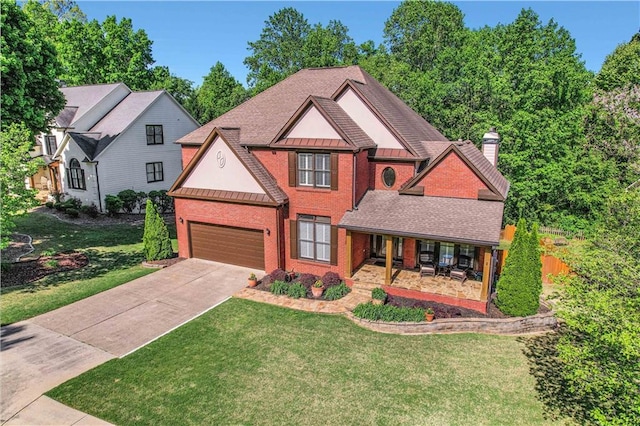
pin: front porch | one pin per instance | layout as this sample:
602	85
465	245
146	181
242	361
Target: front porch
408	283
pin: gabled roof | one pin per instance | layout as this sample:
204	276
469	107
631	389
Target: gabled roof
456	220
497	184
274	195
81	99
348	130
107	130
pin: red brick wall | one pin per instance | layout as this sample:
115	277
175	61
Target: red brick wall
362	174
312	201
452	178
404	172
188	152
359	248
239	215
409	252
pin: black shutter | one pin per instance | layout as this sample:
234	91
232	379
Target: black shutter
83	183
334	171
293	168
293	237
334	245
68	177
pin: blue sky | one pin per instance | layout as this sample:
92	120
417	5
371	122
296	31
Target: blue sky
189	37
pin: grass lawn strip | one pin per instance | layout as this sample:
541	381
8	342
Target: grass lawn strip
252	363
114	252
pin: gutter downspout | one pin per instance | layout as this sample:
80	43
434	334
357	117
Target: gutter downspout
98	182
353	182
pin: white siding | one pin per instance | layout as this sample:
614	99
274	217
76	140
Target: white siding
490	151
313	125
122	165
91	117
372	126
221	169
88	196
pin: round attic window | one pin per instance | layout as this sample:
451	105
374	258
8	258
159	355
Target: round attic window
388	177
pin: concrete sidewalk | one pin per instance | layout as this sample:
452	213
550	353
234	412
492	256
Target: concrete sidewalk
48	350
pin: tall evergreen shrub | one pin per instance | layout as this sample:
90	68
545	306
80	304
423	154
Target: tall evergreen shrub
535	265
518	288
157	244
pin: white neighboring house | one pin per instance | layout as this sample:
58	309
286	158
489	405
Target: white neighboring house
109	138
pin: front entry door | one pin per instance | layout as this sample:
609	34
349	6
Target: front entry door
379	248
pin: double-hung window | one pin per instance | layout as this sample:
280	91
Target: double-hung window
154	172
314	237
52	144
154	134
314	170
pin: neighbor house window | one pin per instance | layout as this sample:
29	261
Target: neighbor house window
75	175
154	172
314	170
314	237
154	135
51	143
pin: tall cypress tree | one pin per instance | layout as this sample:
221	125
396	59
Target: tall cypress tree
516	284
157	244
535	266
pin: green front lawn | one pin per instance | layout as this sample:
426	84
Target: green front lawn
114	252
251	363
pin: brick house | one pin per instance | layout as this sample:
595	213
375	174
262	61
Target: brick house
327	171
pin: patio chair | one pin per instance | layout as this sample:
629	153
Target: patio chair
460	271
427	266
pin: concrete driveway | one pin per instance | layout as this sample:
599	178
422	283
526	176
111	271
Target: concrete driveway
48	350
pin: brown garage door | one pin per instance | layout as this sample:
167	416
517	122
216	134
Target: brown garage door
237	246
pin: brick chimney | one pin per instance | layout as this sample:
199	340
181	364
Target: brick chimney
490	144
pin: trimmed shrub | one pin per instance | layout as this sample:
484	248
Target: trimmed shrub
278	275
49	204
331	279
73	203
113	204
162	200
91	210
157	244
279	287
388	313
307	280
379	294
72	213
520	283
59	206
129	199
296	291
336	292
141	200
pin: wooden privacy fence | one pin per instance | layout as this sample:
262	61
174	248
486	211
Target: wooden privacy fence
551	265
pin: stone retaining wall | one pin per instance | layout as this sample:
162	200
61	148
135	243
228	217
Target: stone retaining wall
508	326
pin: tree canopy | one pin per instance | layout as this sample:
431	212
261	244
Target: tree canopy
29	67
622	67
219	93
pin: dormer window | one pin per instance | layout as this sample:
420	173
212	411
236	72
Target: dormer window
52	144
314	170
388	177
154	134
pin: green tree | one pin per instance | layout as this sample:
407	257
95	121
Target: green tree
29	68
622	67
157	244
329	46
219	93
278	52
180	88
516	288
600	347
15	166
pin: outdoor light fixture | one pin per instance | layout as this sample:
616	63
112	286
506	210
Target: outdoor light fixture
268	231
181	219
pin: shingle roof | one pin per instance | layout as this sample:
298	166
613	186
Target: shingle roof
488	170
314	143
354	134
83	98
437	218
105	131
218	195
262	116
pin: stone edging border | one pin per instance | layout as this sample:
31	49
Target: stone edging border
504	326
535	324
145	264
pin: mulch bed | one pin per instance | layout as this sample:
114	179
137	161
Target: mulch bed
24	272
134	219
18	246
448	311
